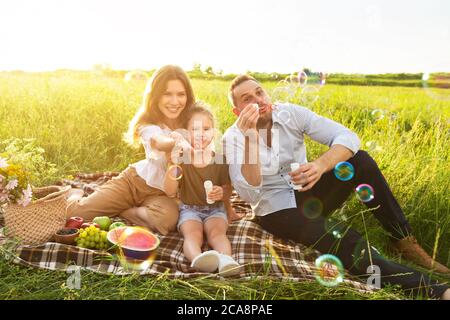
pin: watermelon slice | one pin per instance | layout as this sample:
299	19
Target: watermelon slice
134	242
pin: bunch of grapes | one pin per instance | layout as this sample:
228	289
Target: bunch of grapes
92	238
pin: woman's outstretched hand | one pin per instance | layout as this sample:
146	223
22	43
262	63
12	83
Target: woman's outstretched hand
180	147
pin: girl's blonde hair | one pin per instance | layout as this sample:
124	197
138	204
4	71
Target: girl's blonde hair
149	112
199	107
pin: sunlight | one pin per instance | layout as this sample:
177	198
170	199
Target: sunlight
233	36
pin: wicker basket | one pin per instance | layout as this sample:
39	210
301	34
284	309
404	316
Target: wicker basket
38	221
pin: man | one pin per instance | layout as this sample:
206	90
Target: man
261	145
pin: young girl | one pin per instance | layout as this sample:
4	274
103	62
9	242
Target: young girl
197	215
137	193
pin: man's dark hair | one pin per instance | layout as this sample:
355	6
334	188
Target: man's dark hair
237	81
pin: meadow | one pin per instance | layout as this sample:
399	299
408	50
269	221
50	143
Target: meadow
79	120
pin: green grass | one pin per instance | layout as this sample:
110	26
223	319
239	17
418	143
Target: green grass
79	120
41	284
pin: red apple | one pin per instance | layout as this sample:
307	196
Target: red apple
85	225
88	224
74	222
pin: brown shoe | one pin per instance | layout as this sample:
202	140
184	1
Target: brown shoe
411	250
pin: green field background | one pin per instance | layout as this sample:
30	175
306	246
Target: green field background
79	120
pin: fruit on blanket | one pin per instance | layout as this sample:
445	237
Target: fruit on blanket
116	225
92	238
88	224
74	222
104	222
66	235
134	242
66	231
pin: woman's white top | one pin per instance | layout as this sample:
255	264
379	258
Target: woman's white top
153	168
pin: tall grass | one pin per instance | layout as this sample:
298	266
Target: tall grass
80	120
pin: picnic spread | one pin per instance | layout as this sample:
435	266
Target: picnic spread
259	252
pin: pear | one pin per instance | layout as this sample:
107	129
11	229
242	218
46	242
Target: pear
104	222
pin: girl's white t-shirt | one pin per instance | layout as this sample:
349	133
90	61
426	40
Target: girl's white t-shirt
153	168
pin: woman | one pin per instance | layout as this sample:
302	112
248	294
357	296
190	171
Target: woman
137	193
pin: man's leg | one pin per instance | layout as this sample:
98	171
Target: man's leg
351	249
333	192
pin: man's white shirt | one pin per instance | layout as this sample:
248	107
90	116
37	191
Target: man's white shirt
290	125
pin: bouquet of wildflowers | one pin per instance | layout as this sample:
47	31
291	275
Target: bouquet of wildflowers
14	184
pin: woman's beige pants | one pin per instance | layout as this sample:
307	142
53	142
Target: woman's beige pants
126	191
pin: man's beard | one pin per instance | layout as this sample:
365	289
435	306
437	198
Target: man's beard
264	120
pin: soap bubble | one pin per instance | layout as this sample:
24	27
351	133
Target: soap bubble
175	172
365	192
284	116
283	92
136	265
130	246
312	208
344	171
377	114
309	95
329	270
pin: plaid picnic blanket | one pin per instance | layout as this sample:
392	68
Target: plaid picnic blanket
257	250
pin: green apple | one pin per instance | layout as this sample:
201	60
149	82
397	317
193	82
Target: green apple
104	222
117	224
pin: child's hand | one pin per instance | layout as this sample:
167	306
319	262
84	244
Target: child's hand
216	193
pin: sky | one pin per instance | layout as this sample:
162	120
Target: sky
350	36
